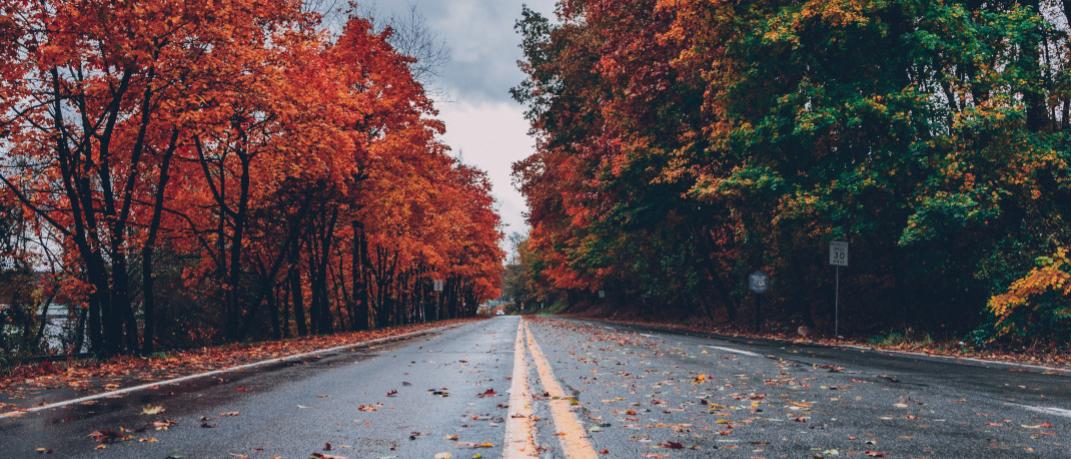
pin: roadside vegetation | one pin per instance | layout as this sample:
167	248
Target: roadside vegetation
178	174
685	144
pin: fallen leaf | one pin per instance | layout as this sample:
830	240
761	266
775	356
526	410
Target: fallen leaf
106	436
152	410
671	445
1044	425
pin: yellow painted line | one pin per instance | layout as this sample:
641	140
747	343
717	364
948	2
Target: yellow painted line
520	427
573	437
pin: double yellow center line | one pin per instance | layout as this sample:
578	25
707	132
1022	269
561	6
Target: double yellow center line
520	429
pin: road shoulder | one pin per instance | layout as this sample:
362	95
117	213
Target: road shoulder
74	382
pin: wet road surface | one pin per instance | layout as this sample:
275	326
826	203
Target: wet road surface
579	389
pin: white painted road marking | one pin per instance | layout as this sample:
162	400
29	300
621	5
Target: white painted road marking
151	385
1045	410
734	351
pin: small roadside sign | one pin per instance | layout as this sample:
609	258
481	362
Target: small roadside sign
758	282
438	284
838	253
838	256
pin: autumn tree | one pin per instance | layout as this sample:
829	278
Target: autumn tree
236	156
684	144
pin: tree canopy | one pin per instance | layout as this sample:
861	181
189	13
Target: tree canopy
684	144
207	171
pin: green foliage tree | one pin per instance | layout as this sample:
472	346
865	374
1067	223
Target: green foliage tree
685	143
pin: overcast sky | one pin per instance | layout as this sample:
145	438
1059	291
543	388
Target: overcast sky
484	125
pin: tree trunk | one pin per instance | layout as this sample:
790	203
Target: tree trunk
233	308
273	311
360	287
294	276
149	249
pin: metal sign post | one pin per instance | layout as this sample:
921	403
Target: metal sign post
437	286
758	282
838	256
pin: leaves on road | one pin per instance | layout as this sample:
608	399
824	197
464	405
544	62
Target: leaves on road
105	437
671	445
369	408
93	376
153	410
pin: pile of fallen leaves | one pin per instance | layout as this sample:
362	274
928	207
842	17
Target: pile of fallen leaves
88	376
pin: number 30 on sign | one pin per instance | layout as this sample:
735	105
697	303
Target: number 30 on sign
838	253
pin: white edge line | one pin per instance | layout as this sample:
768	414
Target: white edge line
1044	409
893	352
955	358
735	351
141	387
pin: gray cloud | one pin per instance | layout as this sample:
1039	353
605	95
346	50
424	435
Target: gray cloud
480	37
472	87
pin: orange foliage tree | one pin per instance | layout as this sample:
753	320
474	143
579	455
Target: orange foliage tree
239	158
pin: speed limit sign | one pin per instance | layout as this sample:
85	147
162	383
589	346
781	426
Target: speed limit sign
838	253
838	256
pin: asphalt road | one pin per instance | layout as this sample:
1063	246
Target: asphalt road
581	390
